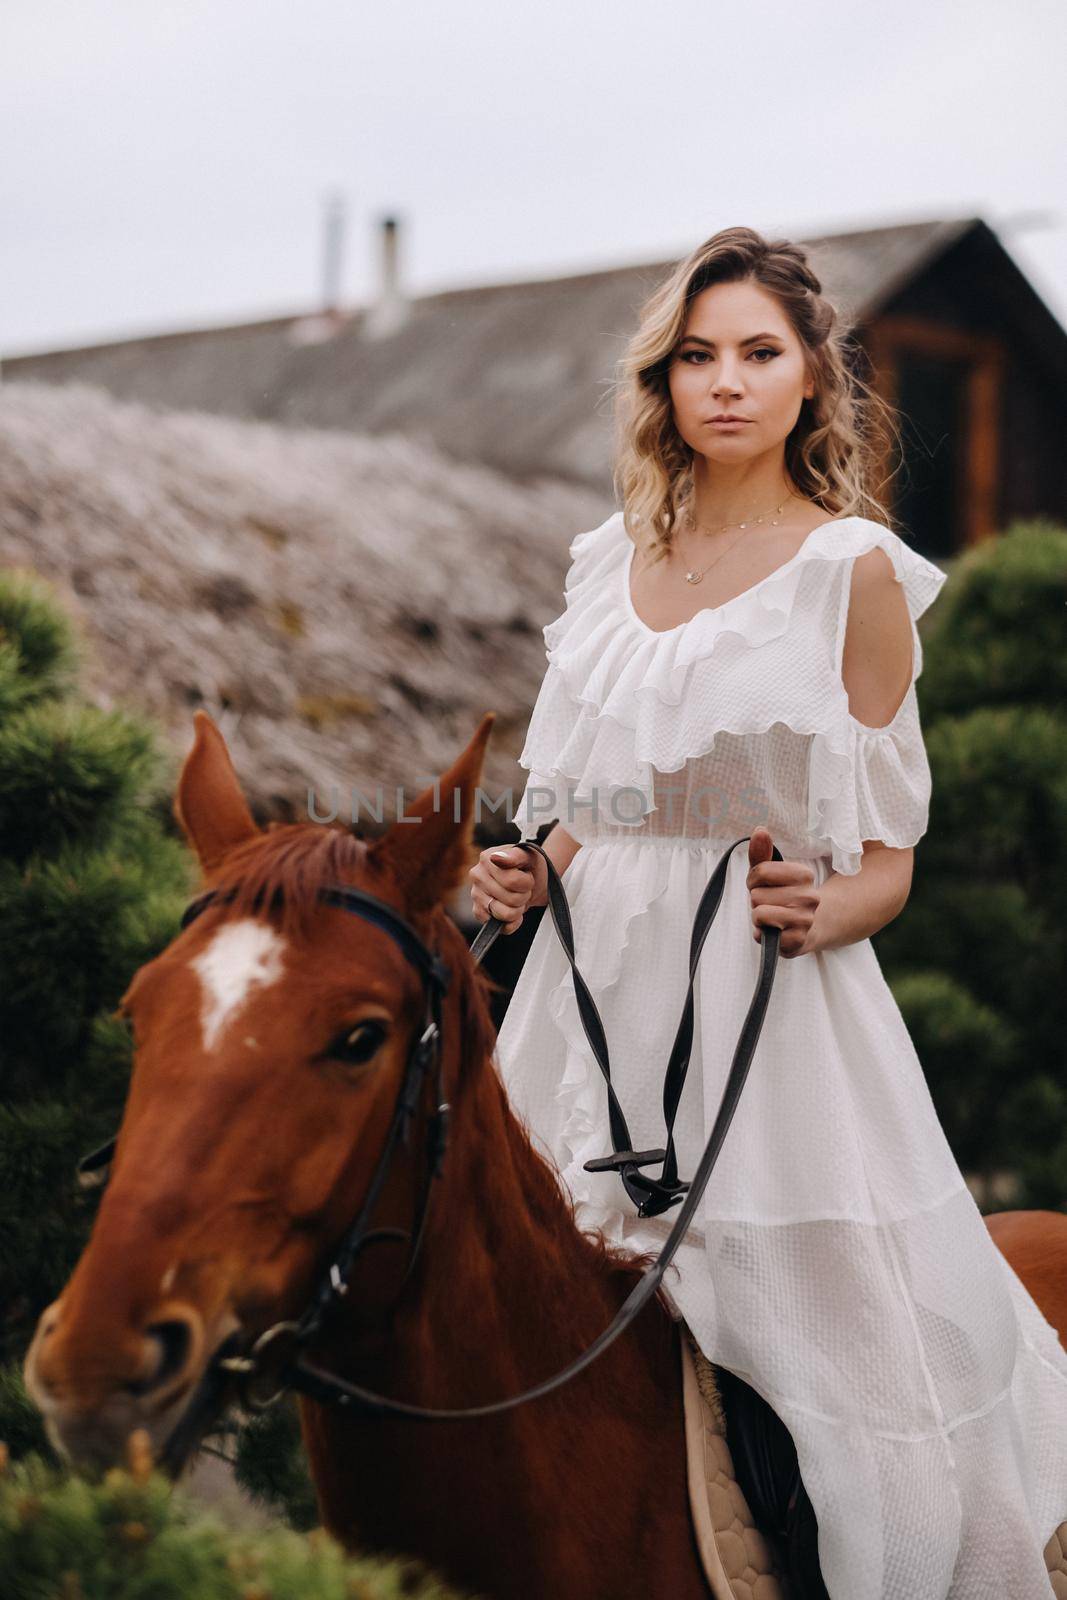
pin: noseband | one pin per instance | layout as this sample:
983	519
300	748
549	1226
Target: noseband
275	1362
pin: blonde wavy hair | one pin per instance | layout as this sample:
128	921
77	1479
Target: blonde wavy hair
840	436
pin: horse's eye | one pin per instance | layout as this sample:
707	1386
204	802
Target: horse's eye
358	1044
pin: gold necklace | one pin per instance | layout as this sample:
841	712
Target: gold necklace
696	577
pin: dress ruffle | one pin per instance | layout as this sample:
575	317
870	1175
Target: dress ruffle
869	783
621	702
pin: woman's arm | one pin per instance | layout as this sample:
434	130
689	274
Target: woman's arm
844	908
853	907
516	879
561	850
876	666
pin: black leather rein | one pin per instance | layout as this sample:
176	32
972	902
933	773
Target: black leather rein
276	1361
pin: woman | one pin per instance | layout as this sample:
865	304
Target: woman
738	656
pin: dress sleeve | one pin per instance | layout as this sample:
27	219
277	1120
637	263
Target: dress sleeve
875	783
556	712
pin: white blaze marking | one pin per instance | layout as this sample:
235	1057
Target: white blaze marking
241	956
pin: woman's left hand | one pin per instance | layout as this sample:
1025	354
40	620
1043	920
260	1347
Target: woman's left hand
784	895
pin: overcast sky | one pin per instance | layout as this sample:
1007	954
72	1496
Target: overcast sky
165	162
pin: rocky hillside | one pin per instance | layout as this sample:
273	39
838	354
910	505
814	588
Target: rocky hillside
347	607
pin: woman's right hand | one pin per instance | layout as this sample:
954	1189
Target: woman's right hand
513	879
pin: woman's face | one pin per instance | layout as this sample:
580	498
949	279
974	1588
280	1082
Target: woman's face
739	354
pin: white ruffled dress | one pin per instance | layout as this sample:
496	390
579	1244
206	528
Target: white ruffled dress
841	1266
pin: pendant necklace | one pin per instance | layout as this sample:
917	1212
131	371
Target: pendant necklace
696	577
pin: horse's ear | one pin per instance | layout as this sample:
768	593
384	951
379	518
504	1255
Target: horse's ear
428	852
209	805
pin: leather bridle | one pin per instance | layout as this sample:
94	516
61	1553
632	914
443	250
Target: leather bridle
276	1361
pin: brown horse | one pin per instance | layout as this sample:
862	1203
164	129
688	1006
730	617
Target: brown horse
270	1039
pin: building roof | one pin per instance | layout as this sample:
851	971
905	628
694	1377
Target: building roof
517	375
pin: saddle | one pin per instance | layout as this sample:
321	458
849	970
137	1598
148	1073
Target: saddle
766	1553
754	1524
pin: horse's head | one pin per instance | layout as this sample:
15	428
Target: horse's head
271	1039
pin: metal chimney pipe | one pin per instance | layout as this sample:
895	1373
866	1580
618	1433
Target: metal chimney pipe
390	259
390	310
332	252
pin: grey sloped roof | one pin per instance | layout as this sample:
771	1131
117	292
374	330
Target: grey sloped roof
348	608
516	375
860	271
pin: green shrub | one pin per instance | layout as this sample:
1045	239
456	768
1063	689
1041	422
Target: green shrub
976	960
132	1536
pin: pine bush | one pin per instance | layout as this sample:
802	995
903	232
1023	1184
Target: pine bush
976	960
131	1536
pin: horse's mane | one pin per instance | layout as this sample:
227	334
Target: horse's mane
276	874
